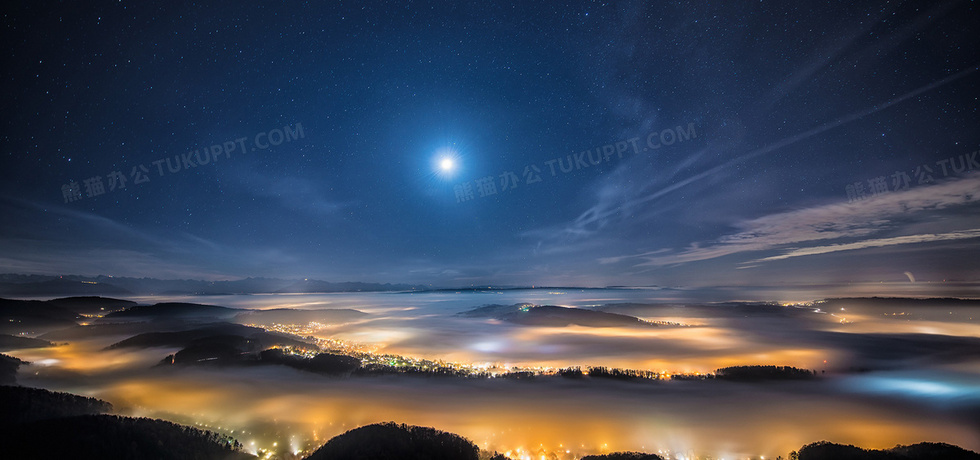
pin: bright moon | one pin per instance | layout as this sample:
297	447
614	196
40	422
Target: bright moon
446	162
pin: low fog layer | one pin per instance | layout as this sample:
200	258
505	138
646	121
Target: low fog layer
888	373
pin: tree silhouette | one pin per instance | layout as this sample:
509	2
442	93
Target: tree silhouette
384	441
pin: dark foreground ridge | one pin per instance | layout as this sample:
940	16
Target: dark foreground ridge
42	424
26	405
111	436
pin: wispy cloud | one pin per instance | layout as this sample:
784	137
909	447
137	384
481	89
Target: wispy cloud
876	243
893	212
616	259
618	196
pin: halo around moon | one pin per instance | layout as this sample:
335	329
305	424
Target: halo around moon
446	162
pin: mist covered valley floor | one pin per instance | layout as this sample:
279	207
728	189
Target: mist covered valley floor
557	373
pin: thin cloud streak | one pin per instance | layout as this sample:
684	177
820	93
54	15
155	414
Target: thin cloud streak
875	243
829	222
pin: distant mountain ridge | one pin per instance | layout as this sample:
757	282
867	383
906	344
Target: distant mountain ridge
316	286
12	284
42	285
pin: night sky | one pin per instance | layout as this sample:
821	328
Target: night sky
592	144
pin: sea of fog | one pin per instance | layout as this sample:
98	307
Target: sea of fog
885	378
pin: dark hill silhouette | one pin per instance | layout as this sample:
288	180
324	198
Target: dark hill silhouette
900	301
126	329
12	342
385	441
22	405
42	424
759	373
8	370
552	316
322	363
902	309
923	451
90	305
39	308
114	437
258	338
33	317
237	350
171	310
220	348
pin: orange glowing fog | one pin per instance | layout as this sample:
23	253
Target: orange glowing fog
299	411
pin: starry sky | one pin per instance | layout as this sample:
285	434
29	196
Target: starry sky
592	144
